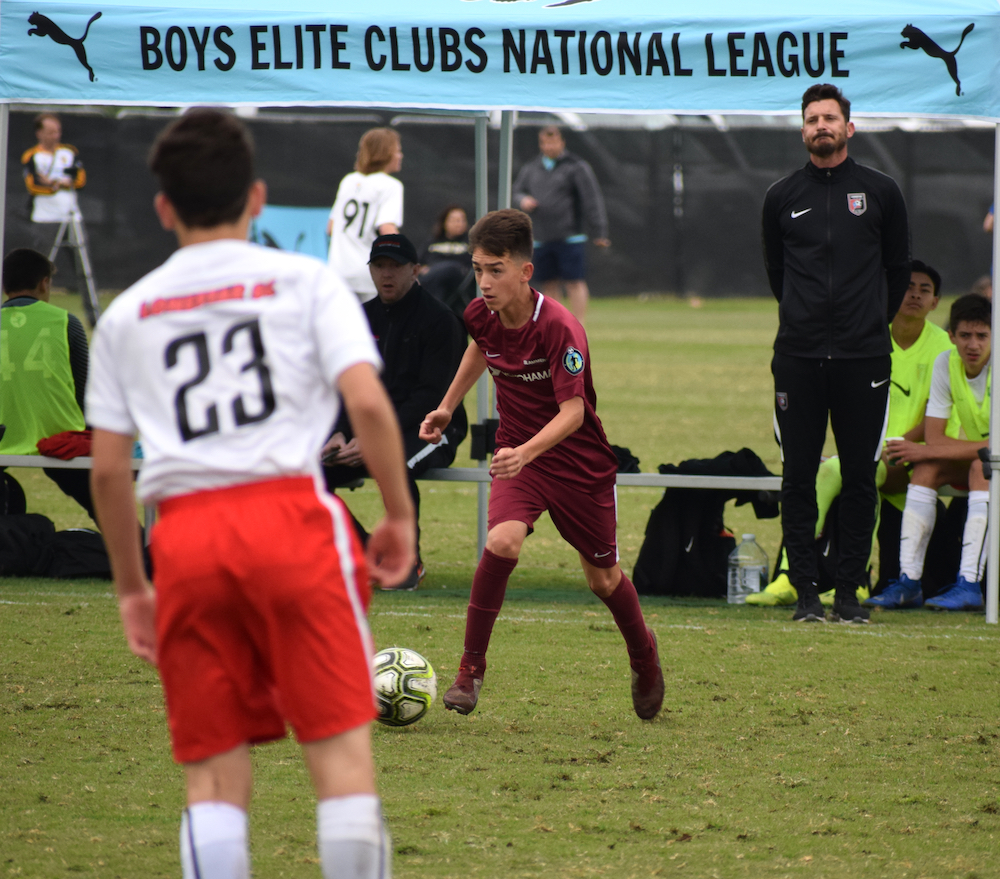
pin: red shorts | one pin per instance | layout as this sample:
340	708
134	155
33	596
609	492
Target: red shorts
261	593
585	519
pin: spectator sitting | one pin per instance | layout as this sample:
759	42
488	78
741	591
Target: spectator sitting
421	344
446	271
44	375
983	287
960	386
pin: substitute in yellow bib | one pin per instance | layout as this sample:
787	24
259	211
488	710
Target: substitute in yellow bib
43	367
960	388
916	342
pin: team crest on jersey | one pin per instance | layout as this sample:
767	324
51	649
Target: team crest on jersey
782	398
857	203
573	361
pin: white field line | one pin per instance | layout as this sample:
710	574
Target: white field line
571	617
576	617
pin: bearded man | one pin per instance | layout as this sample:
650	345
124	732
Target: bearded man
837	254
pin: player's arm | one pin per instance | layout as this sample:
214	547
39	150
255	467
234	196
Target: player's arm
34	180
507	463
895	248
916	433
939	446
773	246
391	548
472	366
114	502
77	173
594	211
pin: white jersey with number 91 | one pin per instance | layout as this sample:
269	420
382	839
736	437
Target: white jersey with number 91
364	202
225	361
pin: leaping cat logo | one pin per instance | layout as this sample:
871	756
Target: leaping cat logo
917	39
46	27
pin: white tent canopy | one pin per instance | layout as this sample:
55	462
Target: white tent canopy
892	58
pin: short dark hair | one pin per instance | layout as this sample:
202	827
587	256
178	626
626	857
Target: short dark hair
41	117
823	91
503	233
24	269
204	163
971	308
930	271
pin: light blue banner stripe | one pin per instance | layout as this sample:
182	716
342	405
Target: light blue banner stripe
602	55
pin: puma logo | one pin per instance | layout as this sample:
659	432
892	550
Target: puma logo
917	39
46	27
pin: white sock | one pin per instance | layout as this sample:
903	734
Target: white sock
974	537
919	515
353	840
214	842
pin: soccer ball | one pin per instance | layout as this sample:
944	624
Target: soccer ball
405	685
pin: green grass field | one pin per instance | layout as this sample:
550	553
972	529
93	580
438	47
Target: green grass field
783	750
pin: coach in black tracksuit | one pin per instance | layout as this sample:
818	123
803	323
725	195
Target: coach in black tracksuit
836	248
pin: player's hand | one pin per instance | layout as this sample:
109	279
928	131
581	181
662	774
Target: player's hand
350	454
138	613
333	447
902	451
528	204
507	463
433	425
391	552
602	242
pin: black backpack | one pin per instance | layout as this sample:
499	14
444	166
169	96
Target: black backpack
687	545
30	546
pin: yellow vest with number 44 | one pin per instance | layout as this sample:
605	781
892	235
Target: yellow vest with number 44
37	391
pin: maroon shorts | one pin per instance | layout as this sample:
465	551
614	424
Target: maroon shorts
261	591
586	519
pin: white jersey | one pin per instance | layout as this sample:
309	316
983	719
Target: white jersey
364	202
57	165
225	361
939	403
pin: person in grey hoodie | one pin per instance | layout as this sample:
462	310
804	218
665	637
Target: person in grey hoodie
558	189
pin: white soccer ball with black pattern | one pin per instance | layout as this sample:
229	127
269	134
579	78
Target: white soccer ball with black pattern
405	686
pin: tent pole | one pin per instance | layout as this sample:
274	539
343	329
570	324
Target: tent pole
505	175
483	383
4	132
993	529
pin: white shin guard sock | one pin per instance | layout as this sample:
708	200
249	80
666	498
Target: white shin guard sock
919	515
974	537
353	840
214	842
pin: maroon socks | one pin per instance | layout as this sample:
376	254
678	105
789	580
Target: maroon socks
624	606
489	585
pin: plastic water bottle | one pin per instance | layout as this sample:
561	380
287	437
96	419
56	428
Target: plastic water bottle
747	570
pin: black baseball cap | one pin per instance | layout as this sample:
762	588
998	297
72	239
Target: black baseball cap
397	247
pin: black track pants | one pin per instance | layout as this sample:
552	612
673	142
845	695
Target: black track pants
855	395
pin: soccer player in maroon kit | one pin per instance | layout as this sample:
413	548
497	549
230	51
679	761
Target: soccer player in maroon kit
551	452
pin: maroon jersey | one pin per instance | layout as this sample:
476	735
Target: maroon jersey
536	367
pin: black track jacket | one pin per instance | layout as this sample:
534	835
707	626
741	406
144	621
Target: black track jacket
837	253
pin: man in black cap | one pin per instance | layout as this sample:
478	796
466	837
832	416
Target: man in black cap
421	344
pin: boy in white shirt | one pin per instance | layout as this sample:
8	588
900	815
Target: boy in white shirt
960	391
369	203
228	360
